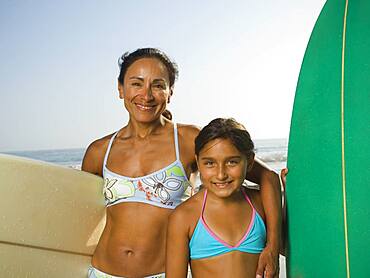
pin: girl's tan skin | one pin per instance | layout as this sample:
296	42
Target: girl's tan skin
134	238
222	168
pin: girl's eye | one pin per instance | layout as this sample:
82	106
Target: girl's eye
208	163
233	162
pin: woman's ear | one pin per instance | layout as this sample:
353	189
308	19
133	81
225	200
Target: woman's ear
120	90
171	93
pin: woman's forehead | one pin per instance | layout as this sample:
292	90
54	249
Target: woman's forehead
147	66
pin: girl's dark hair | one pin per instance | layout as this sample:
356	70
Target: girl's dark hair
128	58
226	129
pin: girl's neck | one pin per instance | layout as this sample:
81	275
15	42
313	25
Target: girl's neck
236	197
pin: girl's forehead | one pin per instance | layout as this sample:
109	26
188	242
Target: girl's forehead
219	147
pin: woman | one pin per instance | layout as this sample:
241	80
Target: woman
147	165
221	228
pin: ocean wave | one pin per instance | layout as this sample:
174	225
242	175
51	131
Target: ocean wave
273	157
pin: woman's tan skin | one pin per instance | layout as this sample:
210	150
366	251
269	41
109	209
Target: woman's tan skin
134	238
133	241
227	213
283	174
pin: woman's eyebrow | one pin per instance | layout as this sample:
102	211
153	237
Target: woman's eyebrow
136	77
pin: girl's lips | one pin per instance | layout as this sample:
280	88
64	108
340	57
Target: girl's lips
222	184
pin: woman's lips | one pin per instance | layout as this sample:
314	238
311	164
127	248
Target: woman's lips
144	107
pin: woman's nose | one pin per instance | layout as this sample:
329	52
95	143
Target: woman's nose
147	93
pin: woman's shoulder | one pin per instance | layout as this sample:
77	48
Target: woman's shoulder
188	131
94	155
186	135
99	146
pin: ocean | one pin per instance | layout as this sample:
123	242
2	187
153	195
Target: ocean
271	151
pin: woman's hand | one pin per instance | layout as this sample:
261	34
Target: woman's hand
268	263
283	174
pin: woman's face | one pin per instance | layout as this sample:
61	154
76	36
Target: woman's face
146	89
222	167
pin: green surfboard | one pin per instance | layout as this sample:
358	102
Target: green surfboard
328	185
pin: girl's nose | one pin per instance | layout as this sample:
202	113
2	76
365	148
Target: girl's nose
221	173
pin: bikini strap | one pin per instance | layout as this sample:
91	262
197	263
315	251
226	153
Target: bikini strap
108	149
176	141
204	202
248	199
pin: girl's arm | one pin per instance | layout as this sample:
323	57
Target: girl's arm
177	250
268	263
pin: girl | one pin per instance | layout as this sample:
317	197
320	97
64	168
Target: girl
221	229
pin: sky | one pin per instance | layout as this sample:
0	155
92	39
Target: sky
58	69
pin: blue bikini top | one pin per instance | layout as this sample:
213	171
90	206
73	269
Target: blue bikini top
205	243
163	188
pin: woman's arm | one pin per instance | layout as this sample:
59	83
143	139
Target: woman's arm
283	175
177	250
268	264
94	156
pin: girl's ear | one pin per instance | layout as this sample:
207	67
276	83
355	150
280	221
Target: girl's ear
250	162
196	160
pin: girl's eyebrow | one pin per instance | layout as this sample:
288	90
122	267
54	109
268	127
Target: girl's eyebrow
226	158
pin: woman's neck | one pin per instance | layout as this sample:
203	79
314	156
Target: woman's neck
144	130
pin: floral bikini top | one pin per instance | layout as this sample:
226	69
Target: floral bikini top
163	188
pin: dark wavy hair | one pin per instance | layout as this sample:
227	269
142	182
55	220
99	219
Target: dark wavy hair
226	128
128	58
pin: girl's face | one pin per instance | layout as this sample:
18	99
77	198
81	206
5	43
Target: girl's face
145	90
222	167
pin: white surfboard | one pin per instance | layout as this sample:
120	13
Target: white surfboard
51	218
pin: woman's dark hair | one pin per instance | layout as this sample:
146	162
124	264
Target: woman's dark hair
128	58
226	129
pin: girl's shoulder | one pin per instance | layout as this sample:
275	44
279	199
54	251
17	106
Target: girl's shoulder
189	211
255	197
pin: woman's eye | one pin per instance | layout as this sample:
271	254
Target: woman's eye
208	163
159	86
136	84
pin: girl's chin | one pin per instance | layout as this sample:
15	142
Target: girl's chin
223	191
